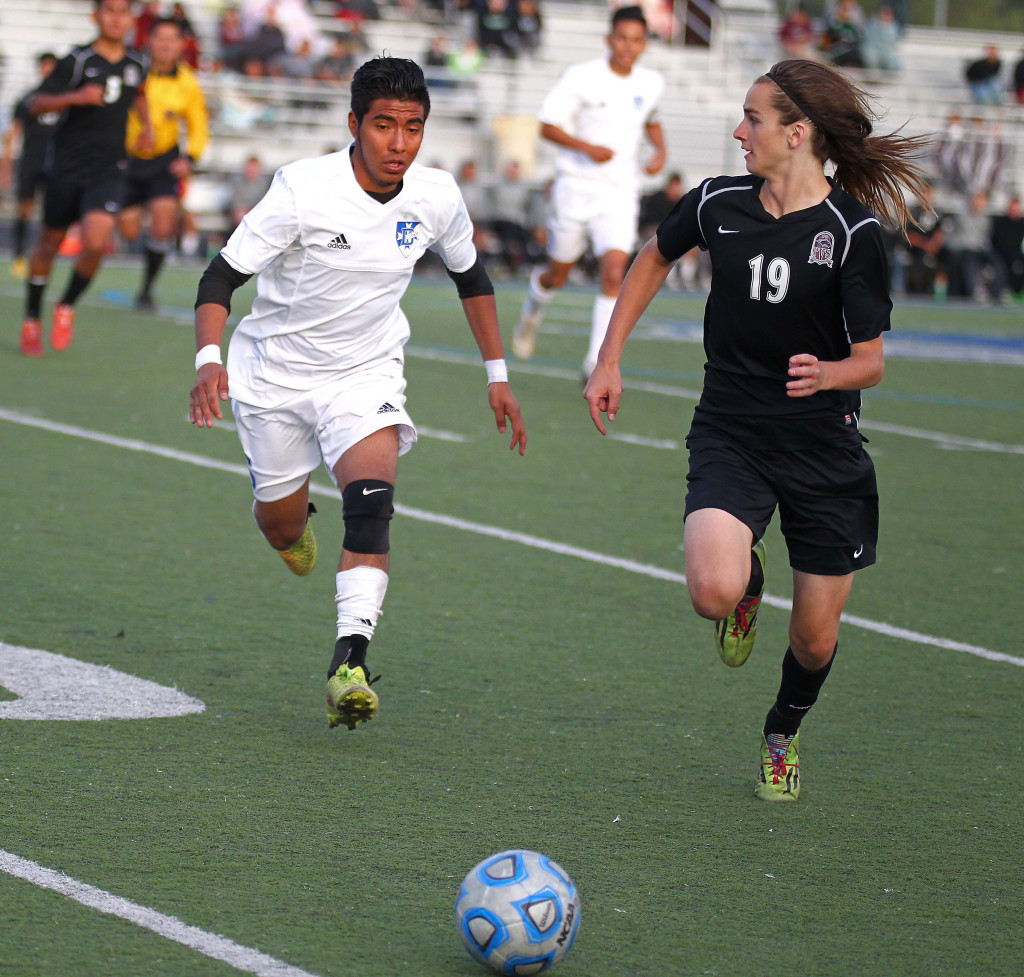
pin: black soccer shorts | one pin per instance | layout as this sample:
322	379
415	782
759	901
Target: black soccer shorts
826	495
70	196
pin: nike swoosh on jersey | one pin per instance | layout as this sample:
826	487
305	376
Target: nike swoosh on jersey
722	230
370	491
860	549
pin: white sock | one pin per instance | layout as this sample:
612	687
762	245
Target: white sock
602	315
359	598
537	297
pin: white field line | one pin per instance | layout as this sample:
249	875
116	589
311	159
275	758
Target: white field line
684	393
495	532
211	945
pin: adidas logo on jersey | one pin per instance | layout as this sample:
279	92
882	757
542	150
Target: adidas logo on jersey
340	243
387	409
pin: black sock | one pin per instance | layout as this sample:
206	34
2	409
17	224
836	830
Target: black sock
20	233
798	691
756	583
154	262
34	299
76	285
350	650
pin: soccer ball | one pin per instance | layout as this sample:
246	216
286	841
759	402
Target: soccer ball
517	912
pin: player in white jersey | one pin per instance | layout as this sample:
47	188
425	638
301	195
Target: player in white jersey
314	371
598	114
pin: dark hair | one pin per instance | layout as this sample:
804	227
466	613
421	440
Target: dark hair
629	13
874	169
46	56
386	77
161	21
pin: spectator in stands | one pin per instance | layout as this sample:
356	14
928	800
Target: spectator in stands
989	154
654	208
927	256
297	64
842	36
977	272
294	18
356	11
231	39
246	190
1018	81
797	36
435	63
144	23
338	64
33	132
509	203
191	53
880	43
495	28
478	204
528	24
1007	236
983	78
465	62
266	44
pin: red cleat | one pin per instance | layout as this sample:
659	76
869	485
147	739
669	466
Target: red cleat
63	327
31	338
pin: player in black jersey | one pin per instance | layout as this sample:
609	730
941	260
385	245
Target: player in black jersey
93	88
34	132
792	332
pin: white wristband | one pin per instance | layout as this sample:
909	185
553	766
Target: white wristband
208	354
497	371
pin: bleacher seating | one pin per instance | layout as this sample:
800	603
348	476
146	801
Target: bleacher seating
493	116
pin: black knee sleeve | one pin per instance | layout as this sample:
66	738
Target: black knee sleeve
367	508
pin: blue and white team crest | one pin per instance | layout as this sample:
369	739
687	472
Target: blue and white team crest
405	236
822	248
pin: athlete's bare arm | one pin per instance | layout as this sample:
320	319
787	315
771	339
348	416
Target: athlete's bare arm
599	154
211	384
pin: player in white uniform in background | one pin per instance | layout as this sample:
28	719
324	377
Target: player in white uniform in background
598	115
314	371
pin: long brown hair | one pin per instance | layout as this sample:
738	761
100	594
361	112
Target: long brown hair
874	169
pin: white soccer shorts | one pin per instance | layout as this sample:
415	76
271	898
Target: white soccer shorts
284	444
582	209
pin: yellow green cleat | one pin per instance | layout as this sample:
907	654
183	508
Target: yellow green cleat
735	634
300	557
350	700
779	776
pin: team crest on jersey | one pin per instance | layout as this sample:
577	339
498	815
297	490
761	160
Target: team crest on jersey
638	101
132	77
405	236
821	249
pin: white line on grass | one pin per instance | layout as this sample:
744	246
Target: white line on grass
209	944
684	393
495	532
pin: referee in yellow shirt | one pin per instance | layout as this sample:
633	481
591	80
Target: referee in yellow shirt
156	175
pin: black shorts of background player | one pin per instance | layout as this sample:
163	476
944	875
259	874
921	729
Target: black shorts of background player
792	332
29	179
93	87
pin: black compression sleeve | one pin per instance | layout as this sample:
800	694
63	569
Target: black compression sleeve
472	282
218	282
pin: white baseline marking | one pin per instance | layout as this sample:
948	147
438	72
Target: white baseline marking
536	542
684	393
171	928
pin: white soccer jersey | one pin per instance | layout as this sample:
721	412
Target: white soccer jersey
333	264
593	103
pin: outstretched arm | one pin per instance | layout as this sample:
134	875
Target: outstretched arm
482	316
645	277
656	137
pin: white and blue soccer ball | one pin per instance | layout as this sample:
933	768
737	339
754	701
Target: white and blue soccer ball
517	912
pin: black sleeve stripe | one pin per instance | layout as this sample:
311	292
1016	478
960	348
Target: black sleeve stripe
472	282
218	283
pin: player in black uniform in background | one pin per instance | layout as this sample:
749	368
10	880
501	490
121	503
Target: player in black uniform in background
94	87
35	132
792	332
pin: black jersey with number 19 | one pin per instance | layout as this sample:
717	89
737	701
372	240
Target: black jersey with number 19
813	281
